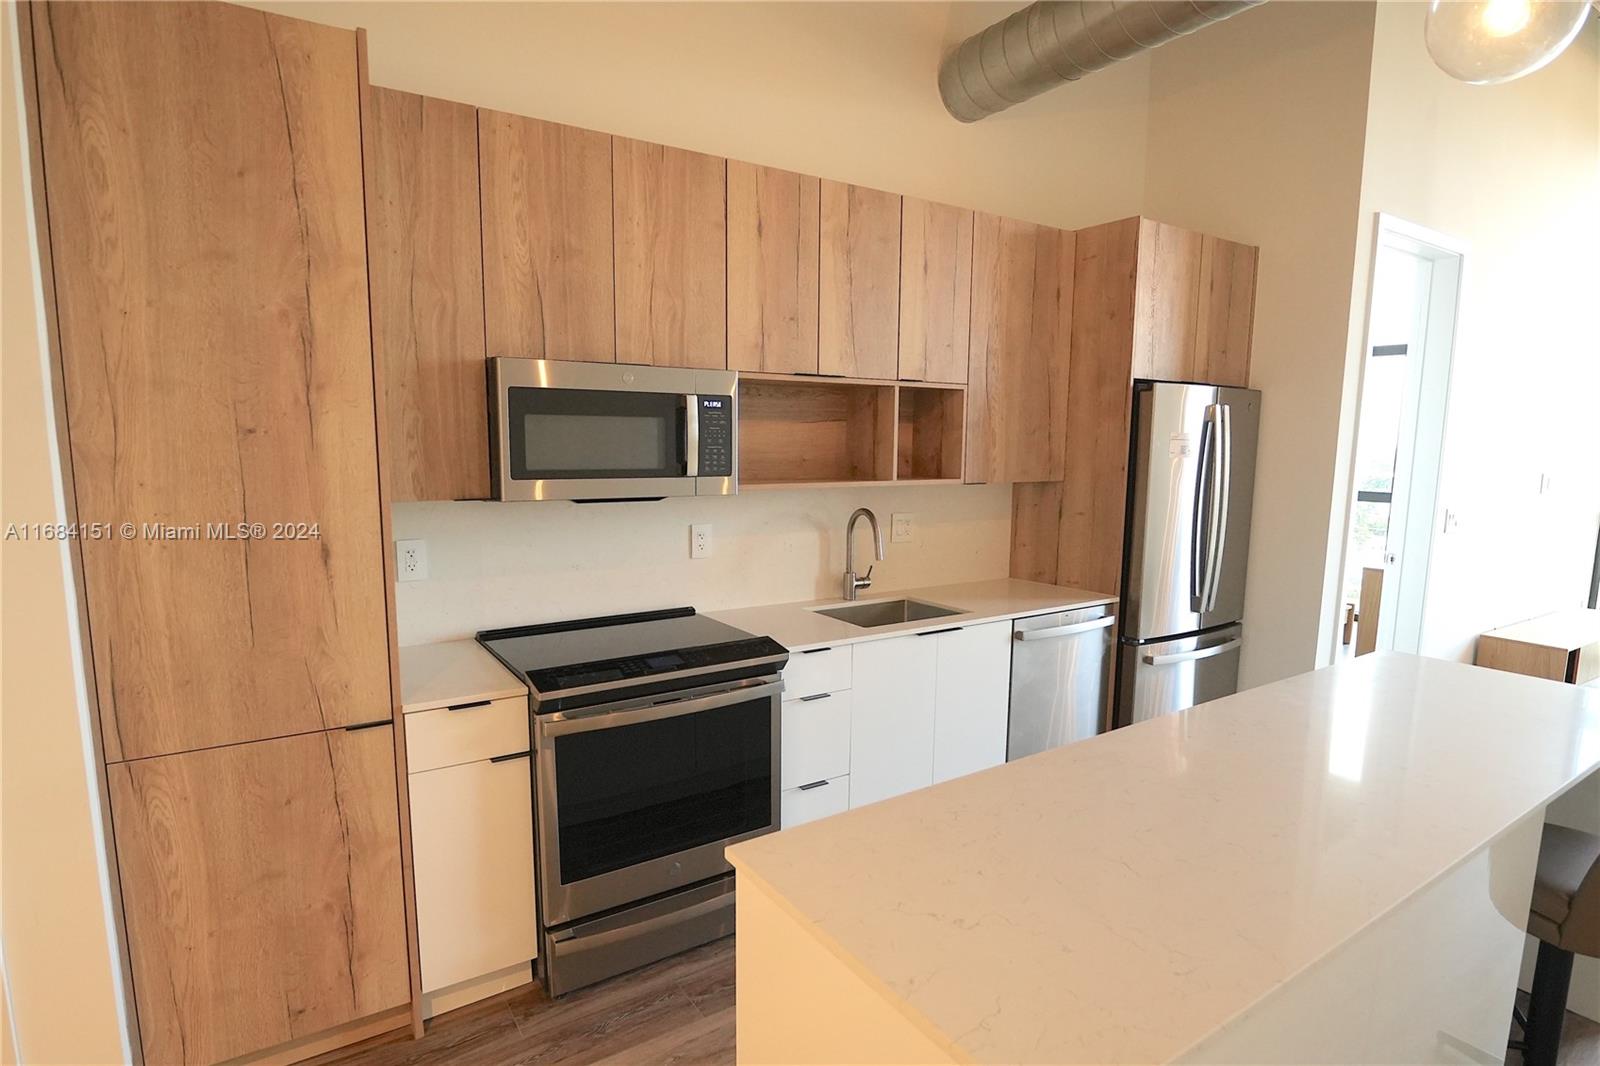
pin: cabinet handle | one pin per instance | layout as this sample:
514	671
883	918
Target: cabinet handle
936	632
818	696
813	651
812	785
513	755
468	706
368	725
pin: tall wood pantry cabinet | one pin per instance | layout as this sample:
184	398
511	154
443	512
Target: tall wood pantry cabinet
202	171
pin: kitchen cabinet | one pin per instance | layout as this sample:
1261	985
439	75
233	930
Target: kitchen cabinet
816	738
935	291
892	717
817	799
1022	286
1150	300
472	838
547	239
773	232
260	884
670	220
972	699
203	176
425	253
858	295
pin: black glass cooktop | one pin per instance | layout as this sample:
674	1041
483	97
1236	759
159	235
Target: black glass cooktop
617	654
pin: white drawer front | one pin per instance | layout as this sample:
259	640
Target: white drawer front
811	672
472	840
802	805
816	738
445	737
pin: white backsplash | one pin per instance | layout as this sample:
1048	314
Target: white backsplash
500	564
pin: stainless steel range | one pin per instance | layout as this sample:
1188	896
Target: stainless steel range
655	742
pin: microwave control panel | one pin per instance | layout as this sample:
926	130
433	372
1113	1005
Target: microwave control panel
716	436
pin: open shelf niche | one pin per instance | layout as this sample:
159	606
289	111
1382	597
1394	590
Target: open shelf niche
815	432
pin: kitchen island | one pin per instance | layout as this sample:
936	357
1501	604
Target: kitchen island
1335	867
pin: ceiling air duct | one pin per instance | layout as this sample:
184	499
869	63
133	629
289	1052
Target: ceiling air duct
1046	44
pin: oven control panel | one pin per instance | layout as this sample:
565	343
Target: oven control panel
716	436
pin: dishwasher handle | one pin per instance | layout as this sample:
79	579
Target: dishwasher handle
1067	630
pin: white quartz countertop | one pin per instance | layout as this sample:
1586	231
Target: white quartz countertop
452	672
1119	899
797	625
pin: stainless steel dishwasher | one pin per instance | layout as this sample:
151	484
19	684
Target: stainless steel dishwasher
1060	678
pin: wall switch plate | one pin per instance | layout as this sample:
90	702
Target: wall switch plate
699	541
411	560
900	528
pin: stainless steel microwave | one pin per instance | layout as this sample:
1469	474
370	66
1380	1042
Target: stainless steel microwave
610	431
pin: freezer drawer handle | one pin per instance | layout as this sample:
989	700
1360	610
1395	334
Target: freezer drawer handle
1191	656
1067	631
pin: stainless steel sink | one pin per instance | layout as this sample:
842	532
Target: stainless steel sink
887	612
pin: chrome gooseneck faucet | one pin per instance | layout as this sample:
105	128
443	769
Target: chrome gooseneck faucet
852	583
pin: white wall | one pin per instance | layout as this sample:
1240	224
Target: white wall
60	970
493	564
1255	133
1513	171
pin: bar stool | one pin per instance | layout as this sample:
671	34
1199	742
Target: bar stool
1565	916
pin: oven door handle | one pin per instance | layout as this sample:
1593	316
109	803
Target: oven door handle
559	724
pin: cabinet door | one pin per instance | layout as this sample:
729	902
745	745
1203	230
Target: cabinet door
816	799
1227	311
891	718
472	847
670	214
772	270
1166	302
547	270
973	704
935	291
425	251
1021	322
261	889
858	302
204	178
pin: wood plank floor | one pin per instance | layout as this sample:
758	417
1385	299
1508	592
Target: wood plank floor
677	1011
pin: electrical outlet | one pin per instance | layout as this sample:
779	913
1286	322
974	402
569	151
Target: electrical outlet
900	528
411	560
699	541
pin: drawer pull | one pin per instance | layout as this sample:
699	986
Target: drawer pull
813	651
513	755
818	696
468	706
936	632
812	785
369	725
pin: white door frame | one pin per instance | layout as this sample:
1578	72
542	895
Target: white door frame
1449	255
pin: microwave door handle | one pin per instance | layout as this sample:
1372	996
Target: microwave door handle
691	435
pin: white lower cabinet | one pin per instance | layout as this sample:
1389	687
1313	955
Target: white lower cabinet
814	800
973	701
891	721
472	845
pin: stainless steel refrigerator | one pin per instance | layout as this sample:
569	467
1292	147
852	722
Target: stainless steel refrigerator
1190	478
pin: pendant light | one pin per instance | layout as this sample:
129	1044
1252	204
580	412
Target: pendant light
1488	41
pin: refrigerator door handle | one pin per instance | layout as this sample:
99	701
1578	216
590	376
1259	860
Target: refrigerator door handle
1203	487
1192	656
1221	501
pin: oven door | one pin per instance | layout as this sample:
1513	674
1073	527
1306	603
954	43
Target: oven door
638	800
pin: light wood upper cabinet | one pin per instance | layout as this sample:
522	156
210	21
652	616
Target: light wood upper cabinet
203	174
1166	300
261	890
669	212
858	301
935	291
773	219
1226	311
425	253
1021	318
547	239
